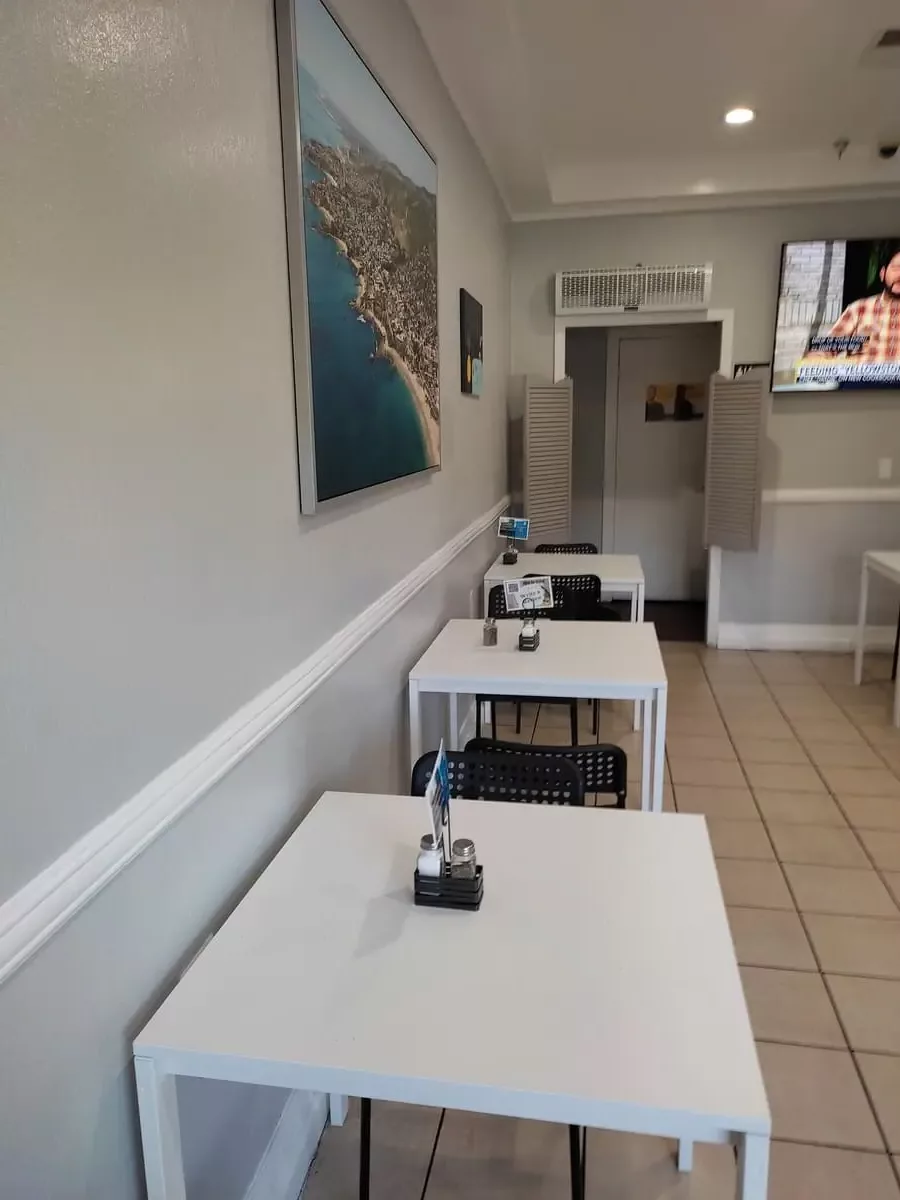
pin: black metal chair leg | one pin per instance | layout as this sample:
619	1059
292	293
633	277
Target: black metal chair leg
518	717
365	1147
478	716
596	726
493	720
896	648
576	1162
573	721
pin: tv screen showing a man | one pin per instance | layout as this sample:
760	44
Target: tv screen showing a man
838	316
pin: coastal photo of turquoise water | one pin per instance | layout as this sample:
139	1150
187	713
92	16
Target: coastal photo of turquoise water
369	200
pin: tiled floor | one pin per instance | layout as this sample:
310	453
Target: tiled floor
798	773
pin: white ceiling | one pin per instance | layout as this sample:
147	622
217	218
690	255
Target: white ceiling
617	105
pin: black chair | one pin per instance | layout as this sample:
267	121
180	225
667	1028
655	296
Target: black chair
523	778
577	598
566	548
603	769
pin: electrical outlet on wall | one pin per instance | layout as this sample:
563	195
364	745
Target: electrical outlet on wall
885	468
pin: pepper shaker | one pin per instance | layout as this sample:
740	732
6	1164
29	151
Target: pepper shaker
462	859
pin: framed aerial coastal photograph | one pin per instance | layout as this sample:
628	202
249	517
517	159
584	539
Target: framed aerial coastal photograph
361	204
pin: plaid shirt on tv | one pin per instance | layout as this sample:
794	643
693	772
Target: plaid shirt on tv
876	318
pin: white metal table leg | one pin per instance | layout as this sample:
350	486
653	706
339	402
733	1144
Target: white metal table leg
415	724
659	748
337	1109
645	757
453	705
637	614
632	617
160	1133
861	626
685	1155
752	1166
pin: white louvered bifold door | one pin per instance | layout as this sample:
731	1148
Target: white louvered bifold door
734	447
548	458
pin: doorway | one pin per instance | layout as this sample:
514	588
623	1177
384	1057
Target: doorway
639	449
672	621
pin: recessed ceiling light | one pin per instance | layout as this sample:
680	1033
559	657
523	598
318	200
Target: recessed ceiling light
740	116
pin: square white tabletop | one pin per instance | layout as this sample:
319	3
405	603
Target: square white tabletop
885	562
597	985
608	659
615	570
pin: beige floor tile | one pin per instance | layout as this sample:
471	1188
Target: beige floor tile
840	891
815	1096
791	1006
684	745
869	1010
856	945
680	723
735	804
872	812
892	879
560	735
760	750
497	1158
890	753
777	666
507	733
782	777
402	1139
821	844
884	848
749	884
844	754
881	1073
707	772
747	709
813	731
849	781
885	738
556	714
803	1172
727	690
731	672
769	938
739	839
799	808
769	728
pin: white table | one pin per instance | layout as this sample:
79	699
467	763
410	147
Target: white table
619	573
327	978
887	564
597	660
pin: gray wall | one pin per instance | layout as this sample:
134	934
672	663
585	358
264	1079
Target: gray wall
160	565
156	572
586	364
812	442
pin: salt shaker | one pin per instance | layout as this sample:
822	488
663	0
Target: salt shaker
462	859
431	858
489	637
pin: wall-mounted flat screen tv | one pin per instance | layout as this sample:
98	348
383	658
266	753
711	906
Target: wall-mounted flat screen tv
838	325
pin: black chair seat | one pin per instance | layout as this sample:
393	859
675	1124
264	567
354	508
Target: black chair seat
566	548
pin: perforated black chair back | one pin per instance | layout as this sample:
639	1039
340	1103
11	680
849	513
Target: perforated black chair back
603	768
497	606
577	598
566	548
523	778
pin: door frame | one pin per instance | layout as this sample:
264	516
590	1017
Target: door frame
717	316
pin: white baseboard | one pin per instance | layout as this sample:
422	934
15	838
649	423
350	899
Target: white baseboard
50	900
832	495
839	639
286	1160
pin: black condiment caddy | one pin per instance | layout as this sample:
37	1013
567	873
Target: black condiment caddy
449	891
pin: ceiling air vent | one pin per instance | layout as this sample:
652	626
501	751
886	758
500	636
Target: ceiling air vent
633	289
